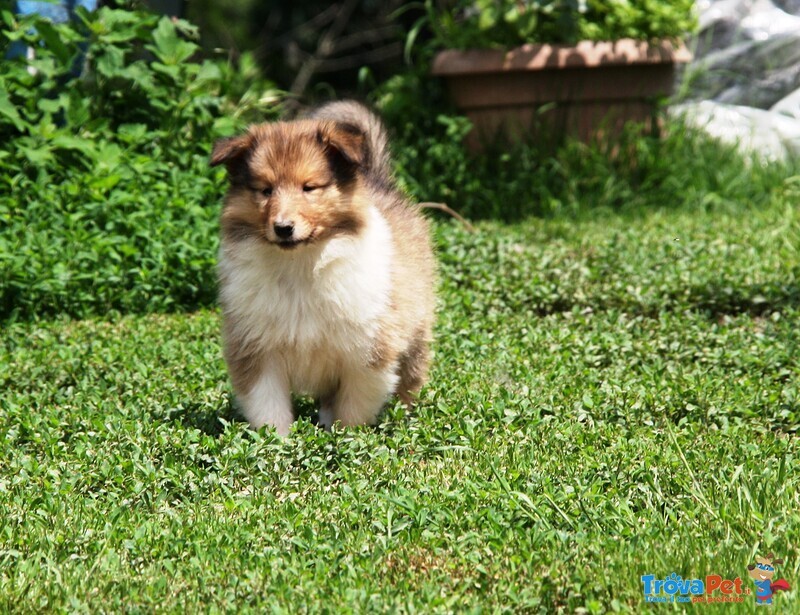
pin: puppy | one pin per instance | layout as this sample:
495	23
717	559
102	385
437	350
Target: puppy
326	271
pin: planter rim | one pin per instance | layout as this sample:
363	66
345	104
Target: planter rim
534	56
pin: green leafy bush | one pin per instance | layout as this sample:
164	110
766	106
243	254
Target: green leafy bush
468	24
107	200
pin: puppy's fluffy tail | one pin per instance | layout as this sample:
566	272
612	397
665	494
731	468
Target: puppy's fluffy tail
378	163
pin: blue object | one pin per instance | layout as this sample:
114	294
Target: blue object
764	592
60	11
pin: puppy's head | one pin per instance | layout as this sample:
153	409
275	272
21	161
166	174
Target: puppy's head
293	183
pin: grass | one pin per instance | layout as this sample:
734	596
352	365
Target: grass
613	395
615	391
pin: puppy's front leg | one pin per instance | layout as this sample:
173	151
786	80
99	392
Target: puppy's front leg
269	401
362	393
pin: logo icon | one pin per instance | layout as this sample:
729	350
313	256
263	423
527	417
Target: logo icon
762	573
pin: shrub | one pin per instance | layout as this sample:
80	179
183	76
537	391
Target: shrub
468	24
107	201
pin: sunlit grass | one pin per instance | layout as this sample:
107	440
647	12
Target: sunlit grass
613	395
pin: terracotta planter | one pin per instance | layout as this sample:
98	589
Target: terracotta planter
587	90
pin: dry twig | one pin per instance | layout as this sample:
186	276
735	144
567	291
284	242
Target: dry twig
446	209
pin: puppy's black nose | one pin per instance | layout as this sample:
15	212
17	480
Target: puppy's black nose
283	230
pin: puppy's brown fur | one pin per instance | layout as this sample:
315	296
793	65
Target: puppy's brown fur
326	271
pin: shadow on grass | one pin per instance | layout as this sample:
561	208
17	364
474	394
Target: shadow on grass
206	418
712	300
753	299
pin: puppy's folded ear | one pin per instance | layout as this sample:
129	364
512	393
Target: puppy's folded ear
344	140
233	153
231	149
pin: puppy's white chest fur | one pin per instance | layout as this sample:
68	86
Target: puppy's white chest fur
315	308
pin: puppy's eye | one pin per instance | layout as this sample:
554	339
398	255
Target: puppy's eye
310	187
267	191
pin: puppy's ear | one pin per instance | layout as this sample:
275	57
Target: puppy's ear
344	140
231	150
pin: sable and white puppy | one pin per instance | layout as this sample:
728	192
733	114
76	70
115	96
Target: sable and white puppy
326	272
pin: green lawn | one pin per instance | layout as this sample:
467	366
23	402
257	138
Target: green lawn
612	396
